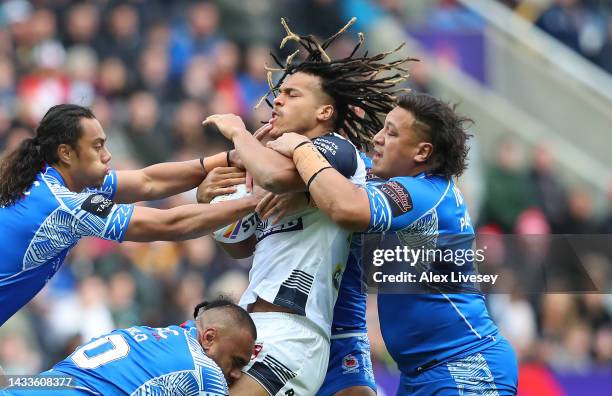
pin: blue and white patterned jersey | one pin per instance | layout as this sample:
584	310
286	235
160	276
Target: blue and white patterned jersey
145	361
428	325
39	230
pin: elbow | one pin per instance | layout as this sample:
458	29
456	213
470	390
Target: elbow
268	184
277	182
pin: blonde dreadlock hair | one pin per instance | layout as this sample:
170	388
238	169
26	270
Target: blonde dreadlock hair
356	81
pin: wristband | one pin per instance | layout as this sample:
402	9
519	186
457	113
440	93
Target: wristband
202	165
215	161
309	161
315	175
227	157
301	144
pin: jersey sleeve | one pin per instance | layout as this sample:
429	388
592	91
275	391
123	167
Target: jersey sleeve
339	152
108	187
214	381
98	216
397	203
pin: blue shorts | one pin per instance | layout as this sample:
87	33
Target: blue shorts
490	372
350	364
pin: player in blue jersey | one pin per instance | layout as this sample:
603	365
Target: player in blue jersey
350	371
57	188
199	357
440	335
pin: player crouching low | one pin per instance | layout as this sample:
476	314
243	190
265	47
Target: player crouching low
199	357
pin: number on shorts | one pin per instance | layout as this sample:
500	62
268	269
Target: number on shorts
119	350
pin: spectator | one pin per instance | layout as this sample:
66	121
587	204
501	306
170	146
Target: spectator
199	35
576	25
550	196
508	191
144	130
123	38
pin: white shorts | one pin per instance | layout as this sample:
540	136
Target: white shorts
291	354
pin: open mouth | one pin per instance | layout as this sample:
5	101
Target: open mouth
274	117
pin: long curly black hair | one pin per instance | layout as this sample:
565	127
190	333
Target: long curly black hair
357	81
60	125
444	128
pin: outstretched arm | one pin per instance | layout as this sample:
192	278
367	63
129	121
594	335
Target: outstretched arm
163	180
187	221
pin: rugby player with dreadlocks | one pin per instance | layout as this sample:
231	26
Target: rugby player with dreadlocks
298	264
440	335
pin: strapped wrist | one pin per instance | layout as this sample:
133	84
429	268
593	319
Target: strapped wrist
301	144
215	161
309	162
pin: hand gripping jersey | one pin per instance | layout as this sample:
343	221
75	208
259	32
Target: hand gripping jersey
299	262
422	328
39	230
144	361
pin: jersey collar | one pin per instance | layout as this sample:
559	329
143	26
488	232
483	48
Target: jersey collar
51	171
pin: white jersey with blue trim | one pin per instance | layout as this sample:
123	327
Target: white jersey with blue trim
299	262
39	230
145	361
428	325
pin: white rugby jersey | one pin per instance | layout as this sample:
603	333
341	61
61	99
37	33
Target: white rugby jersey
299	262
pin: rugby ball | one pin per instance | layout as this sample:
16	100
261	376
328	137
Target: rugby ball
241	229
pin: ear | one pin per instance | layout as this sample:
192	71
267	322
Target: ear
65	154
325	113
209	335
423	152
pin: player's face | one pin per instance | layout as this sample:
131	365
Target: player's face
92	156
398	147
300	106
231	351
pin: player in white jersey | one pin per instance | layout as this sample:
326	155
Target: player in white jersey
299	262
297	267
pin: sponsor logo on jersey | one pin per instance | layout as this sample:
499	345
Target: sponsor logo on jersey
398	197
370	176
98	205
325	146
350	364
264	231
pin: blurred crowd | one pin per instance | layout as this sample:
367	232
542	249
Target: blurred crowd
557	250
151	71
583	25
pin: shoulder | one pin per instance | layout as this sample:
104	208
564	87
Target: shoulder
399	201
340	153
334	144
